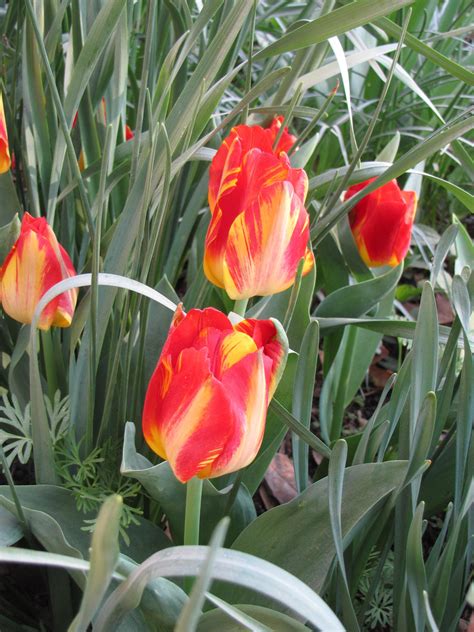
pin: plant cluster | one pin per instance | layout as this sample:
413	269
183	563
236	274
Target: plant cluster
236	287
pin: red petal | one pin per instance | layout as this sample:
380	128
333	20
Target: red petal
193	330
187	417
382	222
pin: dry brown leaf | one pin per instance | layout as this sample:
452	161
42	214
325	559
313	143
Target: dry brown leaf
444	309
280	478
379	376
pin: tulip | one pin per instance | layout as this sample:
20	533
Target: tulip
259	228
5	161
206	404
382	222
35	263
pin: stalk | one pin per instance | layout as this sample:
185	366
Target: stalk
192	517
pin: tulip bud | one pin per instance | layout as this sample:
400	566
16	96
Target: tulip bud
259	228
206	404
35	263
5	161
382	222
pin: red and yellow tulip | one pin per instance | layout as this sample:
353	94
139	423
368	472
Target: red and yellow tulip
382	222
5	161
35	263
259	228
206	404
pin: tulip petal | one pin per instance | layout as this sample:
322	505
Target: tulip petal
36	263
266	243
5	161
269	336
246	389
381	223
199	329
188	411
259	170
225	168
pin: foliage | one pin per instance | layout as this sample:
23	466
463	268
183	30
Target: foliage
371	90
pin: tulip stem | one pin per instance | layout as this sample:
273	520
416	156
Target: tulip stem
193	510
240	306
192	516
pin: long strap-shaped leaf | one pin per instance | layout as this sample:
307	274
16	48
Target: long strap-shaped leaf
229	566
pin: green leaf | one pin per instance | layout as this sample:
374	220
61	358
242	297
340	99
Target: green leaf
229	566
406	292
461	302
104	556
189	616
10	204
217	621
425	354
389	152
163	486
464	248
96	41
334	23
237	616
182	113
56	523
303	399
276	307
8	235
415	566
442	249
462	73
354	300
337	464
463	196
10	528
281	534
423	434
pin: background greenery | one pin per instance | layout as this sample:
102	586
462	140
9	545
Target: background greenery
381	528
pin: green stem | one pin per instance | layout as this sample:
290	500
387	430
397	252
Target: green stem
192	517
240	306
50	363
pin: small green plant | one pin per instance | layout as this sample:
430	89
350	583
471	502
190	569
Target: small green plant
93	478
15	425
379	611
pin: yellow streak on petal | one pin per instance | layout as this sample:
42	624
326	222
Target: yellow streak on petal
261	274
22	281
234	347
254	420
185	421
167	375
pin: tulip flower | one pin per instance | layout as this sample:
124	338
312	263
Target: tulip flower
5	161
206	404
259	229
35	263
382	222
